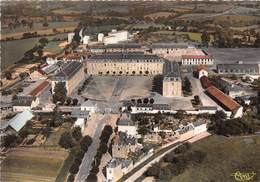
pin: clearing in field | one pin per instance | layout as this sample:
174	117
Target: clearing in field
32	165
224	157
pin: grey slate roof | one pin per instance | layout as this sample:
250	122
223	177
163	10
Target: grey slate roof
77	113
248	68
68	70
19	121
125	122
23	101
123	46
172	70
125	139
132	57
169	45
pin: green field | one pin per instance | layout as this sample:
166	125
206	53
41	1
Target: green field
38	167
224	156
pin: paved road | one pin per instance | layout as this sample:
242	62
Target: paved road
198	90
140	169
89	156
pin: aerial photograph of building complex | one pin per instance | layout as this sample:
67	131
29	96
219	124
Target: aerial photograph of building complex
130	91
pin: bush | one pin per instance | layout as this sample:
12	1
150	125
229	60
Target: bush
103	147
74	168
66	140
85	143
71	178
91	178
76	133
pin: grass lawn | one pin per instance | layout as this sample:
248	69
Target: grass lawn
224	156
193	36
40	166
53	47
53	139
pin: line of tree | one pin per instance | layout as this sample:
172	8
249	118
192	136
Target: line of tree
78	146
175	163
103	148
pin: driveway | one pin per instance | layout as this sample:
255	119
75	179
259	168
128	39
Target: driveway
95	126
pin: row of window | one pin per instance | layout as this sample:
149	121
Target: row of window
238	71
128	73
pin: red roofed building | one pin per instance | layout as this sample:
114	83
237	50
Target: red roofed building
205	82
225	101
35	92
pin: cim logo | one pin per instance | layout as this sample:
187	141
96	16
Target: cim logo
243	176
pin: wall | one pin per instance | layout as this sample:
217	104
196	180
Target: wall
124	68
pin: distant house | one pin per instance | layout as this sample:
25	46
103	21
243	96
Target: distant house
172	84
152	138
89	105
201	71
39	89
116	168
20	120
128	126
82	117
71	73
225	101
25	103
123	145
239	69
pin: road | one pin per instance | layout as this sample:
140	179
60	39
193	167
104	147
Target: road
140	169
198	90
97	126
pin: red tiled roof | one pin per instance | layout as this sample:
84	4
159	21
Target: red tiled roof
222	98
205	82
39	88
196	57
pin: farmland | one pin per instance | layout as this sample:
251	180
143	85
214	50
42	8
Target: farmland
224	156
32	164
13	51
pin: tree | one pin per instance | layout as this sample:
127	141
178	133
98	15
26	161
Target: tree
75	102
92	177
23	75
76	133
85	142
257	42
68	101
40	52
74	168
60	93
103	147
71	178
139	101
146	100
8	75
187	85
151	101
43	41
45	24
205	38
8	140
66	140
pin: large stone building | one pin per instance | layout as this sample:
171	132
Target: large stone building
124	144
174	51
115	37
128	47
124	64
71	73
172	85
239	69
